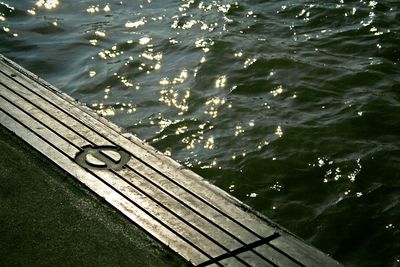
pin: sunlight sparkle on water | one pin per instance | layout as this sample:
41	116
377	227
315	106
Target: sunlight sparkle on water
209	83
135	24
209	143
279	131
31	11
278	90
92	9
49	4
107	8
248	62
238	130
221	81
100	33
252	195
144	40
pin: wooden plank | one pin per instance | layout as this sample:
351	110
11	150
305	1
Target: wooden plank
156	161
69	165
275	256
199	189
114	180
250	256
134	173
138	216
199	221
300	252
134	180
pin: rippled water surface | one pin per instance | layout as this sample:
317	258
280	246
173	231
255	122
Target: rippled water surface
291	106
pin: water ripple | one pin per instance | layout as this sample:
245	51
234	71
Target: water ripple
291	106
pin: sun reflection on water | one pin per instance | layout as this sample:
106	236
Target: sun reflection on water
48	4
137	56
219	85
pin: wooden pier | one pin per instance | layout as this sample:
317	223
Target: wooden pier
201	222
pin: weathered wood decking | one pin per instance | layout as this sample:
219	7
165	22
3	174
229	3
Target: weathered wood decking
202	223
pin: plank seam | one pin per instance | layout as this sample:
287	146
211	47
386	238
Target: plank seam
228	252
143	176
137	158
287	255
112	171
121	177
71	102
106	183
249	247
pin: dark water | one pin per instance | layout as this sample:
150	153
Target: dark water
291	106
